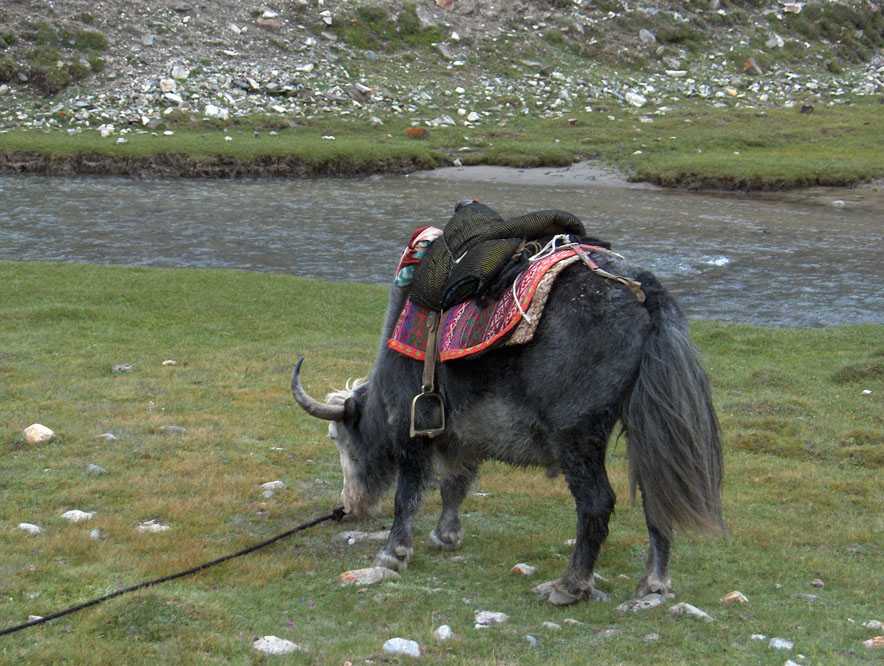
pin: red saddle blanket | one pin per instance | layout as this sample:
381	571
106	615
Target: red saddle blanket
468	329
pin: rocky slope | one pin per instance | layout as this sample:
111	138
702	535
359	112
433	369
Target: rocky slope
109	64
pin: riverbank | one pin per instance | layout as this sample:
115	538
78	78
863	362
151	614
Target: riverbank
803	456
694	147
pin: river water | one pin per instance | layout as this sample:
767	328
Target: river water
806	259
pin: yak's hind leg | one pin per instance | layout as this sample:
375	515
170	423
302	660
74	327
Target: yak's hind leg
656	579
448	534
583	463
414	470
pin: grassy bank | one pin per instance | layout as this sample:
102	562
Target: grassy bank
804	451
694	147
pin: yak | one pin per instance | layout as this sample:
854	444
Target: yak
599	357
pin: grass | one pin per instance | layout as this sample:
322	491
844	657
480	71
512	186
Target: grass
802	492
694	147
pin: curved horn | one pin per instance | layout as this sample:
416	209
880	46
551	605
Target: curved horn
320	410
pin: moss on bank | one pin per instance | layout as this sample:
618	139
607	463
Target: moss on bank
695	147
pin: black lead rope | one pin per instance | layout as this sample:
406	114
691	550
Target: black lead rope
335	515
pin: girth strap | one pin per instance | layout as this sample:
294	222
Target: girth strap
428	399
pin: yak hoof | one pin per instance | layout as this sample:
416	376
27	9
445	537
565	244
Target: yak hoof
446	540
556	593
397	560
653	584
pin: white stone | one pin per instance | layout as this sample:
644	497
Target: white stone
276	645
636	99
174	98
472	117
443	633
77	516
646	36
4	89
352	537
644	603
650	638
685	609
789	662
180	72
524	569
780	644
37	433
212	111
758	637
168	85
869	624
152	527
108	437
570	621
96	534
735	597
30	528
122	140
490	618
775	41
169	361
552	626
269	13
306	67
676	73
532	641
368	576
273	485
402	646
326	17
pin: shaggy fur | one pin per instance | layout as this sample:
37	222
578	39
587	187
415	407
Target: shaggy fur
599	357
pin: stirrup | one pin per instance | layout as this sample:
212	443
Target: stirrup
434	430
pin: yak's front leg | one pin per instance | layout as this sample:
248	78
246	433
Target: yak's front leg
413	472
448	534
586	476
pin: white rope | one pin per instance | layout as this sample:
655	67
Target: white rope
556	243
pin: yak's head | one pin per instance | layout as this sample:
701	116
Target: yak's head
342	409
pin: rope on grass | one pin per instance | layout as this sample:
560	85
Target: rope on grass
335	515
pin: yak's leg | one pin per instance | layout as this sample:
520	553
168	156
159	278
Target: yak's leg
413	472
448	534
656	578
584	468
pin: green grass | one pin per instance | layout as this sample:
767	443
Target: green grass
694	147
802	491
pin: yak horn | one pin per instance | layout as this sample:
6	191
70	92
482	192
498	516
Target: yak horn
320	410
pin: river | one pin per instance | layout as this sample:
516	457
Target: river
799	259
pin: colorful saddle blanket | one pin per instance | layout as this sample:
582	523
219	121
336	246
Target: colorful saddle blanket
469	328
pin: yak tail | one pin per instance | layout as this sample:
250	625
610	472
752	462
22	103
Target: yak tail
672	431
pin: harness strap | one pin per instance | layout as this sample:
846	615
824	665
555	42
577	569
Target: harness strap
634	286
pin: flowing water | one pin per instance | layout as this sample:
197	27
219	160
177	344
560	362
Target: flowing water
805	259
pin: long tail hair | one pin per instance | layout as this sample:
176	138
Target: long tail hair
674	442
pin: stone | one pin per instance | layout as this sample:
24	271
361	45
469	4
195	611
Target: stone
173	430
213	111
273	485
276	645
868	624
552	626
443	633
168	85
108	437
77	516
758	637
152	526
635	99
37	433
875	643
489	618
4	89
402	646
774	41
352	537
179	72
95	470
571	622
650	638
326	17
148	40
367	576
677	73
734	597
473	117
524	569
647	37
269	23
687	610
780	644
532	641
97	534
119	368
169	361
817	582
644	603
121	140
30	528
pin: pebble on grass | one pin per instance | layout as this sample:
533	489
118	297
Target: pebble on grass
524	569
152	527
275	645
30	528
443	633
37	433
686	609
368	576
77	516
780	644
402	646
734	597
485	619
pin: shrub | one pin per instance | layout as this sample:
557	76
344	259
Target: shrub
8	70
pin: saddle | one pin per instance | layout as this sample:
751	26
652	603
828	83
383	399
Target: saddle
477	247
